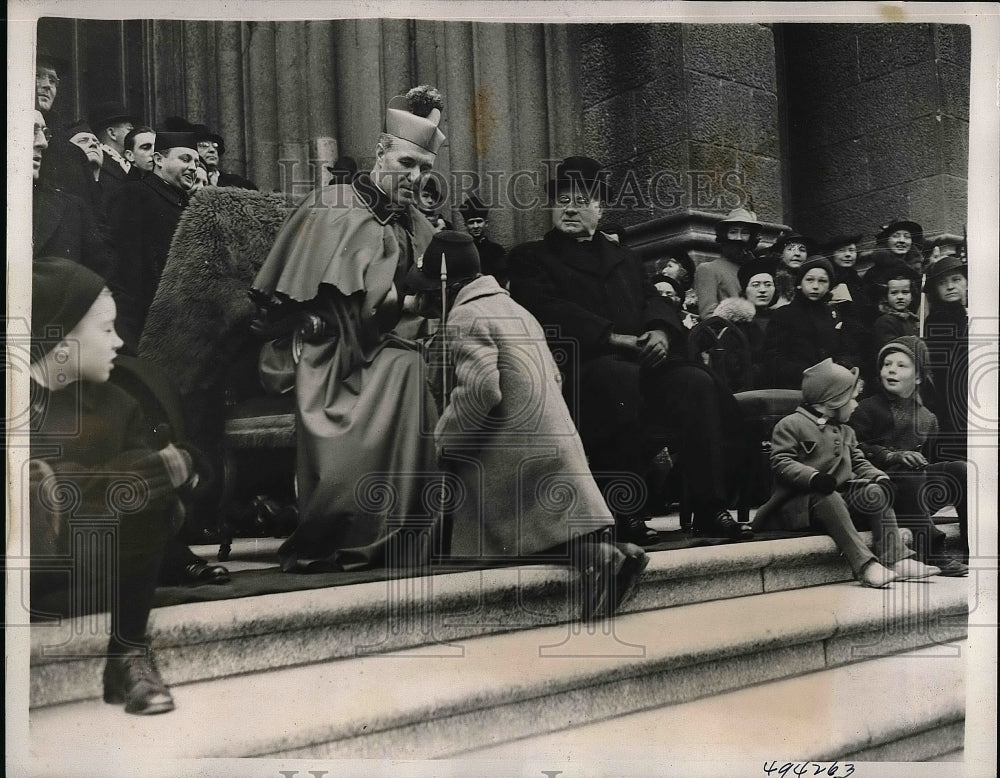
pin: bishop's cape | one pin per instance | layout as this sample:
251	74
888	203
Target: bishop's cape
366	464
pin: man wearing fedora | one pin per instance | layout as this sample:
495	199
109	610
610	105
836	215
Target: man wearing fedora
714	281
628	381
211	146
492	255
111	123
363	410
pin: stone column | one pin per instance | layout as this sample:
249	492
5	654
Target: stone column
229	80
261	100
686	117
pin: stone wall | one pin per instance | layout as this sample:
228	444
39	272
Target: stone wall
878	119
695	105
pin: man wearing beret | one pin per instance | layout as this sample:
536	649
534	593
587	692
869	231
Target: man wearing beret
633	388
364	412
143	216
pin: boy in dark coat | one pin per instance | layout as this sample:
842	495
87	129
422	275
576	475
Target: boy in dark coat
88	440
807	330
506	432
896	319
822	476
899	435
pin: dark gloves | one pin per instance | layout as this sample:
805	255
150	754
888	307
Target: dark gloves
824	483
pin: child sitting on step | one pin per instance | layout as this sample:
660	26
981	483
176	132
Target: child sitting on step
103	502
899	434
507	435
822	477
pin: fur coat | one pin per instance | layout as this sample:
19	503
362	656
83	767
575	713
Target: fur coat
200	317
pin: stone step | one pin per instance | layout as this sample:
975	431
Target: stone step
205	640
905	707
437	699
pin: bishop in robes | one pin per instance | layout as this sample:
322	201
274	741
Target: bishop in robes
366	465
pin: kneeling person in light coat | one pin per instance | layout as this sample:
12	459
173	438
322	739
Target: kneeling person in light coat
507	434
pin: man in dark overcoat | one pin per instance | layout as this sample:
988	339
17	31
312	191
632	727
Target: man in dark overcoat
627	381
111	123
62	225
143	217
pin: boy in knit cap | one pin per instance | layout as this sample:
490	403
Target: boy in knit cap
822	477
88	440
899	435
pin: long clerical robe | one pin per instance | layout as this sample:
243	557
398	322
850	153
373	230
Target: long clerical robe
366	467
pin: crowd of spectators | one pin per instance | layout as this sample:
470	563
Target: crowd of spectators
110	192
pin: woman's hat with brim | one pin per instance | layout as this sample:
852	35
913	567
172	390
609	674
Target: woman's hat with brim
828	384
458	252
840	241
683	259
62	292
738	217
584	173
787	238
679	288
755	267
944	266
915	230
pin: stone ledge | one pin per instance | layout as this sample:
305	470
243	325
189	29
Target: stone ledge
643	659
690	230
814	716
200	641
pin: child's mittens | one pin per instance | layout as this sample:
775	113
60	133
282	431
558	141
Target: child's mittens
824	483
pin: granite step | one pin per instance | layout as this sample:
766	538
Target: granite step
435	700
905	707
206	640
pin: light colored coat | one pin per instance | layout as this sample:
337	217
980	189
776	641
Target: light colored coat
508	435
714	281
802	445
